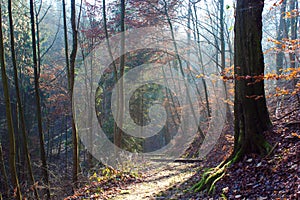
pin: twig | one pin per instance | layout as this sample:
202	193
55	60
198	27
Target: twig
271	151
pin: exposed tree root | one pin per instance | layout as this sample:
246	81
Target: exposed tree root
213	175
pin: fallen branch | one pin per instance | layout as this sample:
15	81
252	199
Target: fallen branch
287	114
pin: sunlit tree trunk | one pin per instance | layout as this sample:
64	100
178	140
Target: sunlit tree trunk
11	135
66	41
116	129
68	74
294	30
38	102
120	96
200	58
223	55
280	35
20	107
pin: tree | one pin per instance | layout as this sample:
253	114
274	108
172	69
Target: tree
281	33
223	60
251	113
20	107
38	101
120	94
12	145
294	24
71	86
251	117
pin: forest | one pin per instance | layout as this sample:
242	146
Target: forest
152	99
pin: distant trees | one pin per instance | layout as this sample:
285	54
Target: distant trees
287	35
294	8
281	33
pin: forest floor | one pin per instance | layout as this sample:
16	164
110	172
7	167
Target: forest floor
276	176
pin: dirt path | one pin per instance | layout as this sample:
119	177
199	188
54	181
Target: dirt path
157	181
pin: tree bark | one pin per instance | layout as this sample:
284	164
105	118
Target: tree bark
66	41
11	134
20	107
71	83
250	109
251	117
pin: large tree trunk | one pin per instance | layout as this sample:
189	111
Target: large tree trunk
250	110
251	117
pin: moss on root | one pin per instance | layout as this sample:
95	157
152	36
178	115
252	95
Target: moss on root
210	177
213	175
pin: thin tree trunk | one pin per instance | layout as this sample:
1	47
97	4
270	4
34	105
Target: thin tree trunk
71	82
120	96
223	62
20	107
294	24
107	41
38	102
66	145
66	42
280	35
116	130
200	59
68	73
60	137
222	34
88	97
11	134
